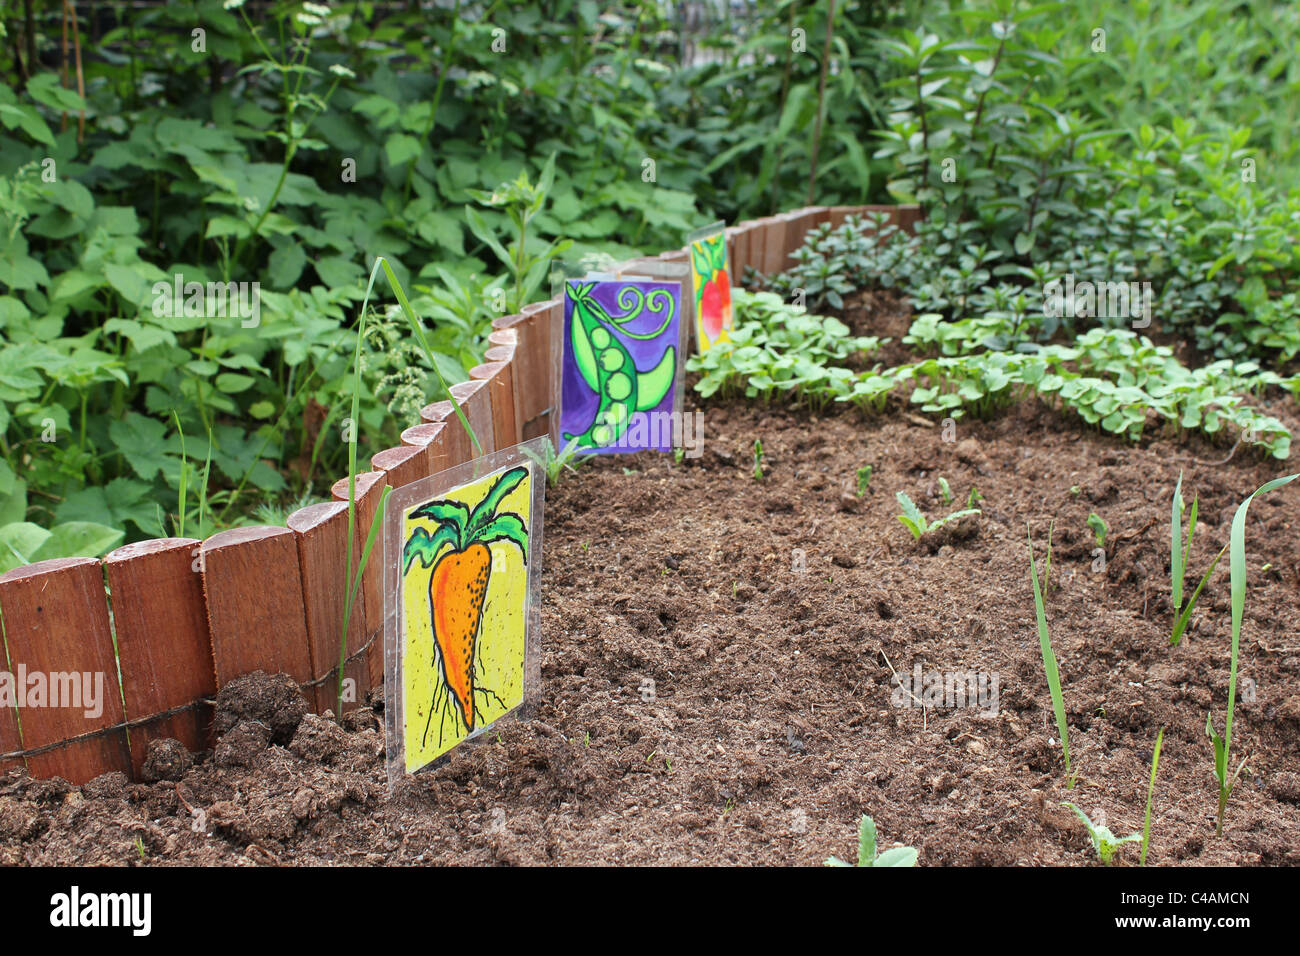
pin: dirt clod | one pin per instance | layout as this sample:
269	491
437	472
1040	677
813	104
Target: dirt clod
274	700
166	759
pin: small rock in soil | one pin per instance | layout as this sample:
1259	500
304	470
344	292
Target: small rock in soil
273	700
166	759
241	745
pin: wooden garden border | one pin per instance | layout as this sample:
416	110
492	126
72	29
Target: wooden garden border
185	616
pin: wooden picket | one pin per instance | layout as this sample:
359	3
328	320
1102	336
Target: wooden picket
163	646
190	616
56	623
253	588
322	532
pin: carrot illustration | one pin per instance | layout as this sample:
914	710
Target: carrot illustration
459	553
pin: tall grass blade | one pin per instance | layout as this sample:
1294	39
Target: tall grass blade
1237	567
1176	566
1050	666
1151	789
185	470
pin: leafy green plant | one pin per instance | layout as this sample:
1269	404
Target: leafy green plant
522	201
1098	526
915	521
867	856
1151	792
1103	841
1050	667
1237	565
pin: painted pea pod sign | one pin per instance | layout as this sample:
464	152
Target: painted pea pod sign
619	365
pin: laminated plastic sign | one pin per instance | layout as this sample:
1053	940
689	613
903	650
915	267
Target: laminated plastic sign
461	603
621	358
711	283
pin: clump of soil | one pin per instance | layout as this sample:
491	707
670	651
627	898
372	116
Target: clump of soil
721	669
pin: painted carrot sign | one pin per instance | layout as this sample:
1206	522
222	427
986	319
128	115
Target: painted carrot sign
464	594
711	279
619	367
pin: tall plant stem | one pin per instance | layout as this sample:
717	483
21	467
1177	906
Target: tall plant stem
821	97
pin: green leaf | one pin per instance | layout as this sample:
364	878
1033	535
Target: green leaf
78	539
140	441
19	541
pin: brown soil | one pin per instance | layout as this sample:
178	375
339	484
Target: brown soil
706	701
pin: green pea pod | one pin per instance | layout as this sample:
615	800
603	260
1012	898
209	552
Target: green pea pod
607	367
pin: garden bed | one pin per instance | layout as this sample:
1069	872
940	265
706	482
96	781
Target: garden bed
771	720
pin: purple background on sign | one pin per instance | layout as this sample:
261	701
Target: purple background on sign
578	403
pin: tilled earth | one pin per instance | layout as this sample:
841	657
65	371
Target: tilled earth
719	661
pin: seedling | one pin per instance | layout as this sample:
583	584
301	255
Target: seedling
758	459
1099	528
1050	666
918	524
864	479
897	856
974	497
556	465
1105	842
945	492
1237	565
1180	625
1151	790
1178	555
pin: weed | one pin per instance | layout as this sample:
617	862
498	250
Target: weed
864	480
555	465
867	856
916	522
1103	841
1099	529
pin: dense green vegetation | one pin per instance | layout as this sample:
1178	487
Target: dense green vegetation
1004	127
290	144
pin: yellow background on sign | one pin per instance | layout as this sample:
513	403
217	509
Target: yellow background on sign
499	651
